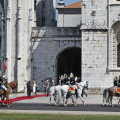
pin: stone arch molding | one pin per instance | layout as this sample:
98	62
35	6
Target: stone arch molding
113	43
63	49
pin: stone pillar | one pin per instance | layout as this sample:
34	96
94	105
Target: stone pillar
19	79
3	46
8	41
29	42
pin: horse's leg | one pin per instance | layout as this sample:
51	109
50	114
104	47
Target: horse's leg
111	97
81	99
50	99
74	99
55	98
104	98
7	98
1	100
118	102
65	99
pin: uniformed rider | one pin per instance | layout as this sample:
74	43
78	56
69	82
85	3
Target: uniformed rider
73	83
66	80
2	84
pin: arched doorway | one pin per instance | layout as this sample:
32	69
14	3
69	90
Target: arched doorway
69	61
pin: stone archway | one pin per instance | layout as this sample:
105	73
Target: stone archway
69	61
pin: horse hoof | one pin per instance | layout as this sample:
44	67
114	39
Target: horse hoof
65	105
75	105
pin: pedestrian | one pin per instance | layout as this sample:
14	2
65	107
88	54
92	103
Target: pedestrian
34	87
53	82
28	89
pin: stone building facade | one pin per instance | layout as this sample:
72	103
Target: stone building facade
35	48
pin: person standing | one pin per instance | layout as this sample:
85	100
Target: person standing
47	88
34	87
28	89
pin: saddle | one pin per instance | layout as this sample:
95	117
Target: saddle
71	88
117	89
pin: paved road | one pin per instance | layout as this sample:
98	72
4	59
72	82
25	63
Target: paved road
38	104
44	106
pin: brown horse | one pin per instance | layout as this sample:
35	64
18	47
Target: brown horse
10	85
112	91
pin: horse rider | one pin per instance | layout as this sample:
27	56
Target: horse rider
119	81
66	80
115	81
62	80
73	83
2	84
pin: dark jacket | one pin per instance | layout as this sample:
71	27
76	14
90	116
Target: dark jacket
72	81
1	80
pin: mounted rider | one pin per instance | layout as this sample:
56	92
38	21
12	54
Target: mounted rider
62	79
115	81
2	83
66	80
73	83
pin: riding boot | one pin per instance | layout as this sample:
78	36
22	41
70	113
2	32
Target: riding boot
82	93
4	92
76	93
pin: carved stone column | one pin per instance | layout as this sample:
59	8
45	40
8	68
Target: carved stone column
19	61
8	40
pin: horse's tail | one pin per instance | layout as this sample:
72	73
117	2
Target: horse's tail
106	95
59	96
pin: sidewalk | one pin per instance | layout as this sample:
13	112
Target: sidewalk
91	99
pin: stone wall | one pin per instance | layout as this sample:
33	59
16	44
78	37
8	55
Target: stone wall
48	42
98	45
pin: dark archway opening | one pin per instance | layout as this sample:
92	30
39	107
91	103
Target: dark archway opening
69	61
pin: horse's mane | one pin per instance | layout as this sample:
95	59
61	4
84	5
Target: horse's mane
12	84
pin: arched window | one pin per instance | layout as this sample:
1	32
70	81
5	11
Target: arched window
118	48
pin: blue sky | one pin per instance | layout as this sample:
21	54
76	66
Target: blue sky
67	2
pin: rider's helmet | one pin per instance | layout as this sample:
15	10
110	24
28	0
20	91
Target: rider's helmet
76	78
71	75
62	77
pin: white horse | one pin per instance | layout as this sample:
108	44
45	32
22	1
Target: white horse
63	91
66	94
56	94
81	86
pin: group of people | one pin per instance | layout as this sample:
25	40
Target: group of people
68	80
117	81
31	88
71	80
47	86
